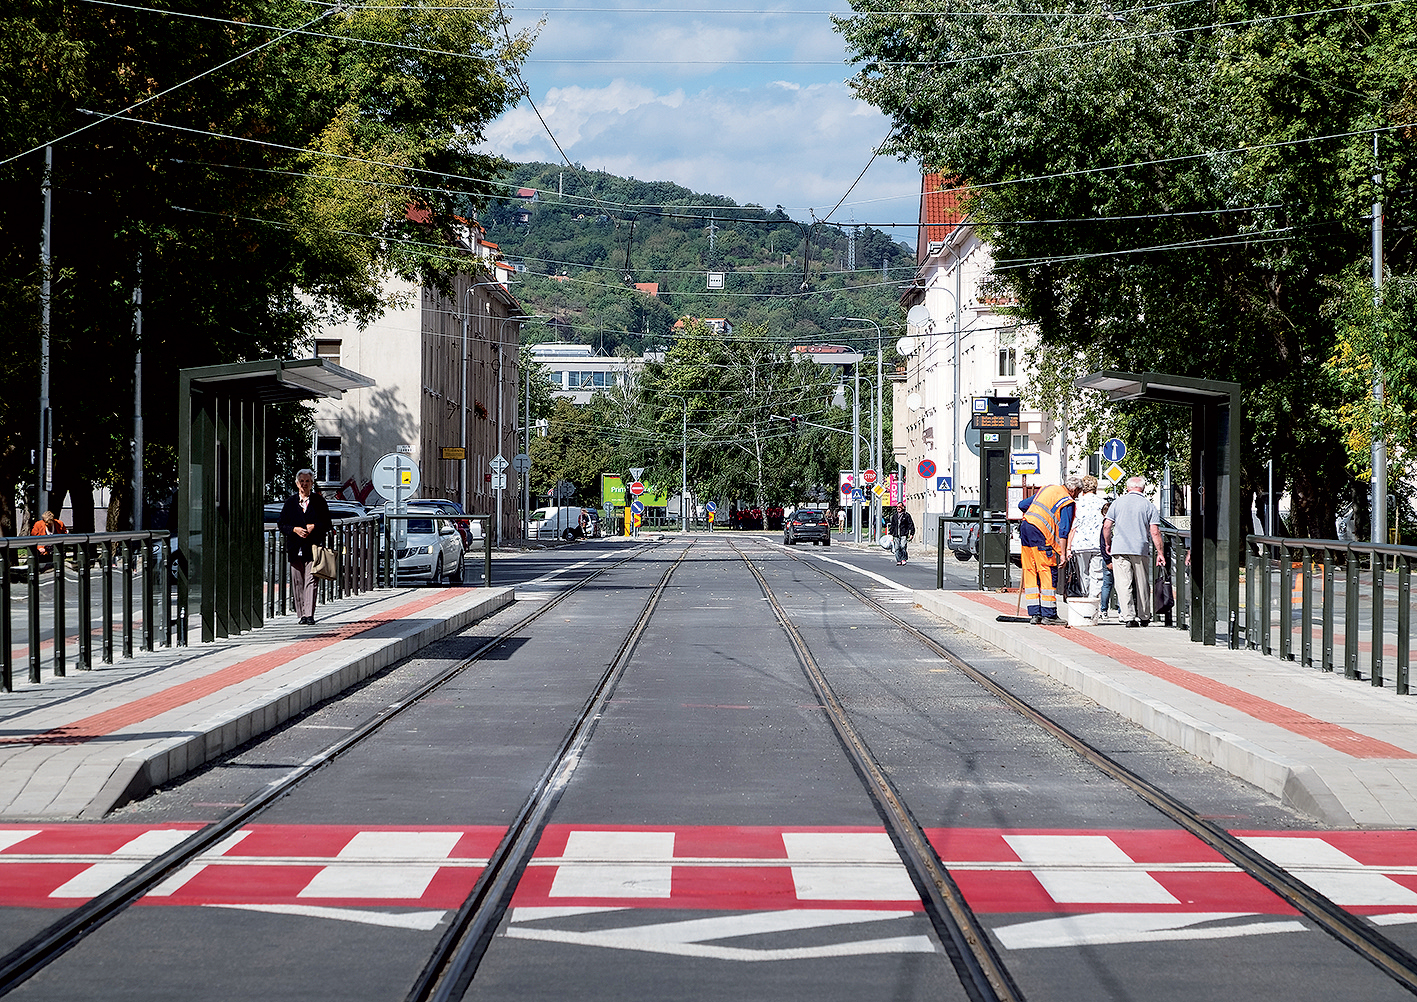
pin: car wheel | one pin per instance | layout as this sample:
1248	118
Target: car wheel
961	555
436	578
568	535
461	574
827	541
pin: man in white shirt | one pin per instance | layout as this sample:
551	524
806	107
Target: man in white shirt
1130	520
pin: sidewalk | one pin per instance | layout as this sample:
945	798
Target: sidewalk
1335	748
81	745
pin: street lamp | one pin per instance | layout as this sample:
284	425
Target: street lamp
467	309
919	316
878	457
683	467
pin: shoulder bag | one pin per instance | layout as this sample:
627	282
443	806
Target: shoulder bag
322	562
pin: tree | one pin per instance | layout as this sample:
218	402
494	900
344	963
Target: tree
259	197
1127	173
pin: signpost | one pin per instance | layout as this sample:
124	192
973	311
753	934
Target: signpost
396	477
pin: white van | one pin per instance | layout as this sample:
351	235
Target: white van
555	523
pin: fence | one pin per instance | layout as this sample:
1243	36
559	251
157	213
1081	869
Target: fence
50	607
1287	579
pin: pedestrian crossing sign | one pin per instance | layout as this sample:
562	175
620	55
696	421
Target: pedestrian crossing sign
1115	473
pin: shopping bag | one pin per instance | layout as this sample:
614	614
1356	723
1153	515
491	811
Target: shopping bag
1073	584
322	562
1163	596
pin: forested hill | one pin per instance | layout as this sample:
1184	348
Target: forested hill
588	238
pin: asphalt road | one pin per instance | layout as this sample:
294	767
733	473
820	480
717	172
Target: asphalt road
713	841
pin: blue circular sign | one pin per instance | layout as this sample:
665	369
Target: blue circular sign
926	469
711	506
637	506
1114	450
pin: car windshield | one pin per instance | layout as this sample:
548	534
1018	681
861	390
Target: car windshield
539	516
808	516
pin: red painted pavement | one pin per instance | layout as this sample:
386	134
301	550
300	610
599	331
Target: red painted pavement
1296	722
100	724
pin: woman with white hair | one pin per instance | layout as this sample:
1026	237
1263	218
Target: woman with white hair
1087	535
304	522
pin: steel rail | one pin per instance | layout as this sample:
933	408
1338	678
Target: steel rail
1349	929
454	962
54	940
981	970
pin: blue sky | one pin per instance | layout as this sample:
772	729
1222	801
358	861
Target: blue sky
749	102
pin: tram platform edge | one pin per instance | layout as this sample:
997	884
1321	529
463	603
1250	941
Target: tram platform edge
1337	749
79	746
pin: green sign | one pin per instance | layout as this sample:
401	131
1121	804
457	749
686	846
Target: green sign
614	491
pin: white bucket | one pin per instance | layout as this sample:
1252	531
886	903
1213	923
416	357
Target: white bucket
1081	611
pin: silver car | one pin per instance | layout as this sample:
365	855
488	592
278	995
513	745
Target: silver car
431	551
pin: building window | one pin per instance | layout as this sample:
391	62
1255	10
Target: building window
1007	361
1020	443
329	351
327	467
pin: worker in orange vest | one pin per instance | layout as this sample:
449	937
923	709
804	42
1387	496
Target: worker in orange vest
1047	522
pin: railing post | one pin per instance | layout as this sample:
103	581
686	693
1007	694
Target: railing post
1266	635
7	631
164	574
487	553
110	556
1404	622
1306	632
1286	603
148	596
1350	615
33	583
84	662
60	627
1379	601
1330	560
127	598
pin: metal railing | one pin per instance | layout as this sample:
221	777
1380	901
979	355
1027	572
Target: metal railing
1361	588
141	561
357	545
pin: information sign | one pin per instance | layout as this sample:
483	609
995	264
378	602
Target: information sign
997	412
858	495
396	477
453	452
926	469
944	483
1024	462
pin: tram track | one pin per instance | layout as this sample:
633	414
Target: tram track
1351	930
56	939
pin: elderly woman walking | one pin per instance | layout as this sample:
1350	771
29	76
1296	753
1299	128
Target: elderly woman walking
304	522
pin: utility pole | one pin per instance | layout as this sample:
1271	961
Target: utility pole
43	473
1379	440
138	398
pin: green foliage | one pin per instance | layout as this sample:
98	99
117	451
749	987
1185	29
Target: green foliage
245	241
1127	173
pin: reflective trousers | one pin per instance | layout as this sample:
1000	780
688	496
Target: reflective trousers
1038	591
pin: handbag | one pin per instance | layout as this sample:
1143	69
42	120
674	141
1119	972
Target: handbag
322	562
1073	584
1163	596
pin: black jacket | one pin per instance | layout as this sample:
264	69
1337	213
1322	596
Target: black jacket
317	512
901	524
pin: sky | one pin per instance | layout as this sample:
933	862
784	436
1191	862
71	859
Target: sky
749	101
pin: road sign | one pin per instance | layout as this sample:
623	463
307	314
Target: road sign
711	507
858	495
926	469
1115	473
1024	462
637	488
846	488
868	477
453	452
637	506
636	472
498	463
498	481
521	462
1114	450
880	490
944	483
396	477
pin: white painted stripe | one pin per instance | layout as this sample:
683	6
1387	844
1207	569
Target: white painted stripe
1332	872
535	913
606	871
688	938
175	882
880	579
9	838
1095	930
1077	869
101	876
1398	918
356	879
421	921
870	870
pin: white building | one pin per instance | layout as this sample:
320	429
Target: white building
447	380
577	373
934	400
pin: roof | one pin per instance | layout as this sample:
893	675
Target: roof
275	380
941	210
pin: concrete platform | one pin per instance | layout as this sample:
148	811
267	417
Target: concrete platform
81	745
1338	749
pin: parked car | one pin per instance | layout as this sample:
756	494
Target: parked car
467	528
431	551
556	523
807	524
339	508
960	537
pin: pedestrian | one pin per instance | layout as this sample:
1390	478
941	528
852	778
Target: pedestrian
1047	521
1087	537
1126	528
1108	598
305	523
49	524
902	530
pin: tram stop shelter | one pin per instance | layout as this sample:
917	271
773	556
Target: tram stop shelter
222	457
1217	535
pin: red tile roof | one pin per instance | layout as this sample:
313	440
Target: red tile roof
941	210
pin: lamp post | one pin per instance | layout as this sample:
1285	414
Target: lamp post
919	316
878	451
683	467
467	294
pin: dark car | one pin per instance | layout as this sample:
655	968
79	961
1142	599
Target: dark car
807	524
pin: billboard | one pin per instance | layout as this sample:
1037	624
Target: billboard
614	491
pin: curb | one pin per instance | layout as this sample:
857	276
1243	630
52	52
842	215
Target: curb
1293	783
139	773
